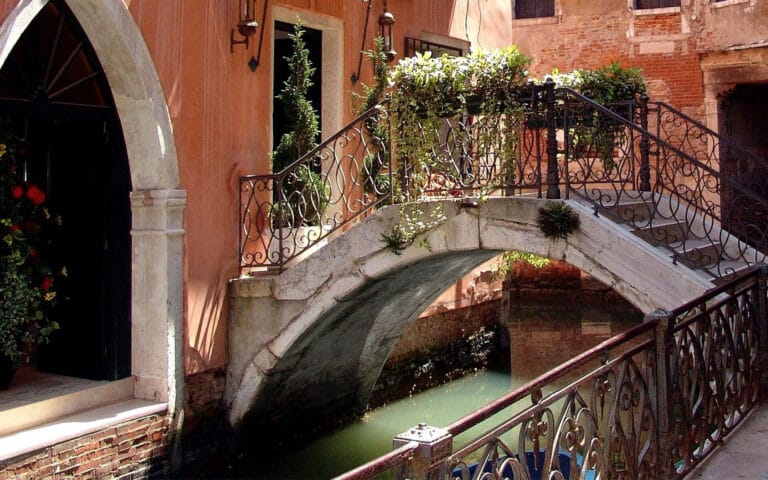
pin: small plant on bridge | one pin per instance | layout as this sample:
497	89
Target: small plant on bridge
412	224
557	220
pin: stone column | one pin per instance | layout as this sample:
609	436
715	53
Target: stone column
157	295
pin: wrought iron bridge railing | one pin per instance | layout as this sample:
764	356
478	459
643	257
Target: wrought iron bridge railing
652	403
670	178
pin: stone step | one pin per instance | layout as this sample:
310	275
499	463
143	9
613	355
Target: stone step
699	253
637	212
726	268
663	232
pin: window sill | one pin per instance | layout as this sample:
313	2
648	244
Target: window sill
524	22
727	3
41	409
656	11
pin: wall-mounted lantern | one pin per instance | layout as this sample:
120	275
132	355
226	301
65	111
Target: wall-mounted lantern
246	26
386	23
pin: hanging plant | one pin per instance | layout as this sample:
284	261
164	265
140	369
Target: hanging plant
557	220
27	279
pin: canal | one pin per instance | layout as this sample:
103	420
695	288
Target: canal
536	338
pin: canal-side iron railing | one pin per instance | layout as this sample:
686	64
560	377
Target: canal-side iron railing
639	163
652	402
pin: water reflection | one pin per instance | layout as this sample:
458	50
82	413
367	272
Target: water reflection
540	337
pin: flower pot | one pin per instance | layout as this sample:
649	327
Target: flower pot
7	370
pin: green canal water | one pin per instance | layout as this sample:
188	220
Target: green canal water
540	337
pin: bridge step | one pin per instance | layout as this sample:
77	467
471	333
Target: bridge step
664	232
636	212
699	254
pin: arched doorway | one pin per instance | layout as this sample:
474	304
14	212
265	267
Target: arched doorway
55	100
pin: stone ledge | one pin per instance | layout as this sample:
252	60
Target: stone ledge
74	426
37	397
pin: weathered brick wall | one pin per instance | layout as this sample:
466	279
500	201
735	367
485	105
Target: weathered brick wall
559	280
135	449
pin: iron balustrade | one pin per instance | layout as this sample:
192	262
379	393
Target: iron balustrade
632	162
665	194
286	213
652	402
722	154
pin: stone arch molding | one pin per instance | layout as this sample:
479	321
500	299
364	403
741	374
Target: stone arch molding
281	327
156	202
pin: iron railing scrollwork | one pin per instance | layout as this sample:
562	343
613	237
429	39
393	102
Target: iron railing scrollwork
724	155
652	402
665	194
286	213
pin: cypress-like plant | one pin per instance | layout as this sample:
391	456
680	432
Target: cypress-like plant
299	112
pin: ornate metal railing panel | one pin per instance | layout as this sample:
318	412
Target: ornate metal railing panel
285	213
471	155
651	403
665	194
723	155
602	425
714	369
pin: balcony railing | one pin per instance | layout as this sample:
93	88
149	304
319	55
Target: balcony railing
652	402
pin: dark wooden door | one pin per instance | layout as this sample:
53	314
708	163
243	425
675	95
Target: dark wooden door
56	103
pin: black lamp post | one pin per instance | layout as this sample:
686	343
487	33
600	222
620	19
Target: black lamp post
246	26
386	23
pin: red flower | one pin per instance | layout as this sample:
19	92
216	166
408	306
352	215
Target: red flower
46	284
35	195
33	254
17	191
15	228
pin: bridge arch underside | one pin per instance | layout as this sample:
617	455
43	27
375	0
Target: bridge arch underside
330	371
312	341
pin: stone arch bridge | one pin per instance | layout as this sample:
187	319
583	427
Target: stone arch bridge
312	340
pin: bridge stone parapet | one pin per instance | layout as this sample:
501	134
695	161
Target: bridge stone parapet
312	340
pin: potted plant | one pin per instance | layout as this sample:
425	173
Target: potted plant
27	279
499	78
429	86
613	86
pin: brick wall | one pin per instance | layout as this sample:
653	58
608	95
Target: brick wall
135	449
